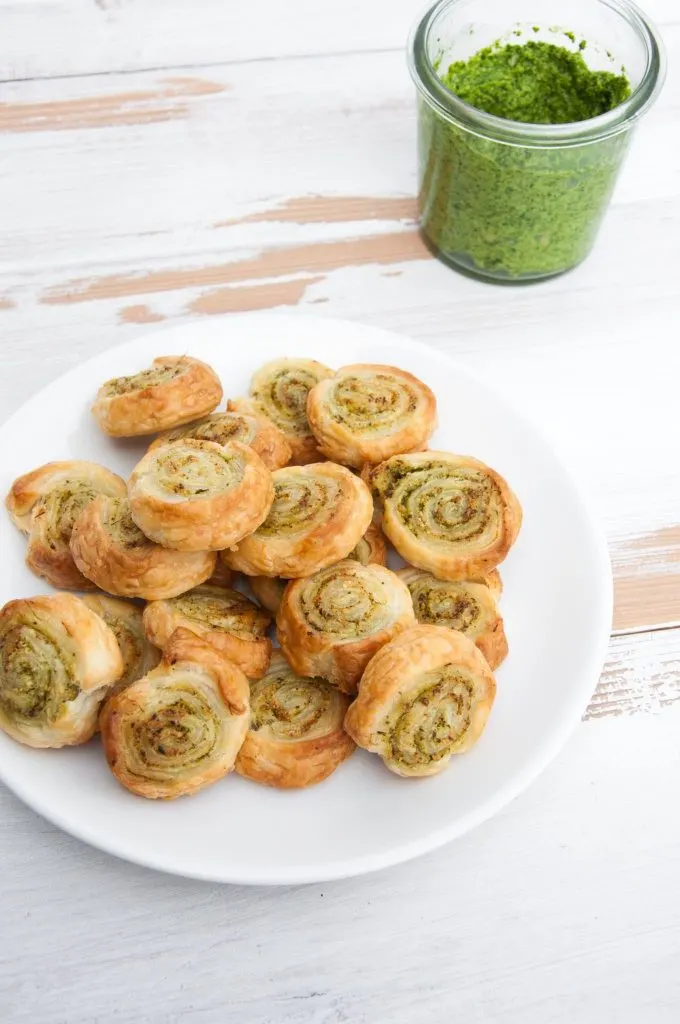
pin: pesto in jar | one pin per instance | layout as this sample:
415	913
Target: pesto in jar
509	210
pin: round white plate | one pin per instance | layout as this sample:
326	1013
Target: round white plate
556	603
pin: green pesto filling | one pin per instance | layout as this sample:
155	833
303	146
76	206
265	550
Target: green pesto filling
512	211
535	82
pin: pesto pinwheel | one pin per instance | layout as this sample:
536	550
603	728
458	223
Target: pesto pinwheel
45	504
58	660
172	391
180	727
368	412
278	392
332	623
200	496
424	697
296	736
226	619
449	514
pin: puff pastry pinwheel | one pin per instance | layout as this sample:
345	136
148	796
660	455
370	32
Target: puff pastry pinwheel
172	391
425	696
111	551
223	427
278	391
462	605
124	619
180	727
58	659
332	623
368	412
200	496
319	514
296	736
449	514
371	549
224	618
45	504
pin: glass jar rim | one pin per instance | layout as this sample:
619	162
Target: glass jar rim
520	133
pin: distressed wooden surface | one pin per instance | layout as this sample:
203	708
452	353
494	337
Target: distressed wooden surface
168	162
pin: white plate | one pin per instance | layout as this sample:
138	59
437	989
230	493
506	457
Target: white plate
556	604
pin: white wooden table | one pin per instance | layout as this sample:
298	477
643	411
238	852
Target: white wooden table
169	161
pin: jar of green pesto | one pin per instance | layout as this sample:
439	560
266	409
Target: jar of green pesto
523	126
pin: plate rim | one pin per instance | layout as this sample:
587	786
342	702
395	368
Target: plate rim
543	753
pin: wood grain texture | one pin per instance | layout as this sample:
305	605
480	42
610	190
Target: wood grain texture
93	36
641	675
43	38
168	100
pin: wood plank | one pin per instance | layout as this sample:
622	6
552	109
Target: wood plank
75	37
641	675
42	38
162	202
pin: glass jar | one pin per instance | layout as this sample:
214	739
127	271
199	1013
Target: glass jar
509	201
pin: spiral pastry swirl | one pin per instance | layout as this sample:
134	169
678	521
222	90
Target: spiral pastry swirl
224	427
424	697
199	496
124	619
296	736
112	552
224	618
58	659
45	504
172	391
462	605
371	549
367	413
278	392
332	623
449	514
319	514
179	728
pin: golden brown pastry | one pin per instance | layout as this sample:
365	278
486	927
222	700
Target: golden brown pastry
278	391
371	549
180	727
45	504
58	660
463	605
222	576
319	514
449	514
425	696
296	736
332	623
224	618
223	427
494	582
174	390
268	590
367	413
198	495
110	550
124	619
